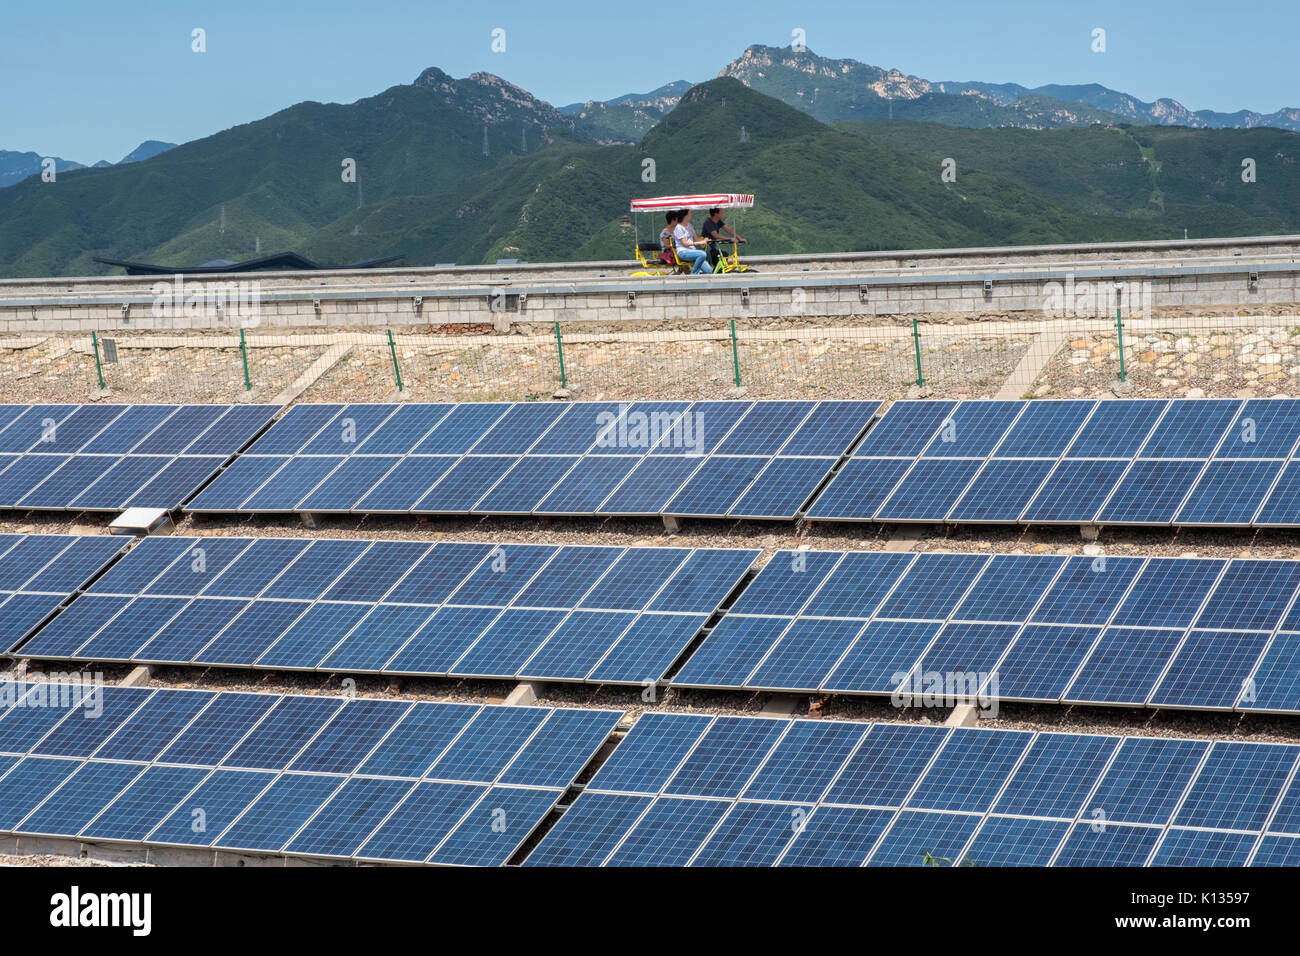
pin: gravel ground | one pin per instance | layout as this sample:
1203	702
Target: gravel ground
63	370
1230	363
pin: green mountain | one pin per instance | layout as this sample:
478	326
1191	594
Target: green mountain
476	169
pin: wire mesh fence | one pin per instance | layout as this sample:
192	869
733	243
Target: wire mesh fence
1168	355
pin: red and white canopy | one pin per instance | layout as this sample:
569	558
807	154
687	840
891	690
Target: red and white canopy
705	201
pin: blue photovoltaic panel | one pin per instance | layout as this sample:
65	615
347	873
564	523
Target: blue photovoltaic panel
528	481
1264	428
1016	841
669	833
352	426
1109	845
1229	493
1124	666
904	430
702	428
589	830
1169	593
1145	780
973	429
765	428
933	586
407	483
969	770
295	429
925	839
1117	429
39	573
461	428
525	764
731	651
859	488
805	654
1042	661
1191	428
1151	492
589	483
830	428
1203	848
515	432
1277	851
348	483
1009	588
1237	786
1075	491
107	458
787	581
751	834
883	652
929	491
1044	429
857	585
650	485
782	488
1275	685
545	458
836	836
1251	595
1087	590
715	486
1001	490
404	429
650	753
1056	775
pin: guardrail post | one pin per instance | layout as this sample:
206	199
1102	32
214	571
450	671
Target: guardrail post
99	368
1119	334
735	354
392	350
243	352
916	344
559	348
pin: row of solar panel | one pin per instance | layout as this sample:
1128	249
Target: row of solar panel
380	780
111	457
40	572
604	614
685	789
736	458
1131	461
1195	633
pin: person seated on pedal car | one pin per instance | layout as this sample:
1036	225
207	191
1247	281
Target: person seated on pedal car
712	230
688	246
666	238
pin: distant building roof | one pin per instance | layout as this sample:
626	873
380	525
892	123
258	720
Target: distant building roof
278	262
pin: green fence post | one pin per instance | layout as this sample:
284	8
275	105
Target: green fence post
559	347
916	343
1119	334
243	351
99	369
735	354
392	350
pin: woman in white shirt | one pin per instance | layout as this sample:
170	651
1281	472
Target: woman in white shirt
689	248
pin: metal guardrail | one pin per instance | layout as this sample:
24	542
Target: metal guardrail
673	284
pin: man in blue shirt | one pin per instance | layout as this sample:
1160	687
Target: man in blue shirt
712	230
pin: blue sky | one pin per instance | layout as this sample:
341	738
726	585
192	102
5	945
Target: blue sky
89	81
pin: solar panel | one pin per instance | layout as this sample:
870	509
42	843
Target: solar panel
839	793
759	459
1199	462
1157	632
389	607
40	573
111	457
290	775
